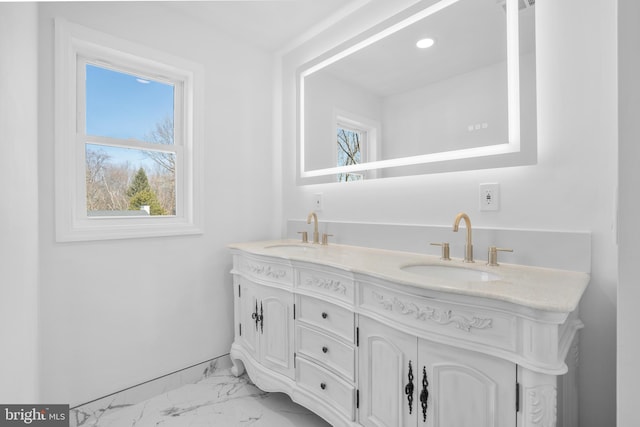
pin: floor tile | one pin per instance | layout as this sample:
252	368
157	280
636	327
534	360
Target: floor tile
220	400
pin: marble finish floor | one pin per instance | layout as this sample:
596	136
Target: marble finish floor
220	400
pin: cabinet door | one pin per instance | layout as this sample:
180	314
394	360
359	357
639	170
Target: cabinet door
276	330
465	388
387	360
248	304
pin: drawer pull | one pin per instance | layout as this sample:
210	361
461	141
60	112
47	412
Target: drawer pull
324	315
325	349
323	385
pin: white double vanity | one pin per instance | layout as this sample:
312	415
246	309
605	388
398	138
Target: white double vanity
386	338
369	337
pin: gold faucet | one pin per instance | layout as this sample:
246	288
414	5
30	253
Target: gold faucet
316	236
468	248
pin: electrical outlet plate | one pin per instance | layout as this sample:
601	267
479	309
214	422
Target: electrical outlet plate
317	202
489	197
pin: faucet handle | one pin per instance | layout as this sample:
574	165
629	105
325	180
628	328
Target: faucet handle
445	250
492	258
305	236
325	238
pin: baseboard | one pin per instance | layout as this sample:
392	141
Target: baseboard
89	413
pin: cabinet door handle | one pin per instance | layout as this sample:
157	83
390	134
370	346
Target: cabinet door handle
261	319
325	349
255	316
408	389
424	396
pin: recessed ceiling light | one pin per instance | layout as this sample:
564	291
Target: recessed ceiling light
425	43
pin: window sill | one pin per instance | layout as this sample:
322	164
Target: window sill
124	228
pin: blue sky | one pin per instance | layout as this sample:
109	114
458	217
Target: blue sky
124	106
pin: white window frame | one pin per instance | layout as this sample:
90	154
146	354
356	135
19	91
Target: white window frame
75	46
370	146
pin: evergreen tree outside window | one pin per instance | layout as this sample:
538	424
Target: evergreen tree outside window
142	196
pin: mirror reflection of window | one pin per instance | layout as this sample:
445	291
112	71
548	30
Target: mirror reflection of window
350	142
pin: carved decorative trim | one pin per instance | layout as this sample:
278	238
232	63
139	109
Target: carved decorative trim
541	405
328	284
266	270
442	317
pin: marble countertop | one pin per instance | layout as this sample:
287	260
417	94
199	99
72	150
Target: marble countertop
535	287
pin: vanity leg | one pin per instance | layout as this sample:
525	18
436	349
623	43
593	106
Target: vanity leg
238	367
538	399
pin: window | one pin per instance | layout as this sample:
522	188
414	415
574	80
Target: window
356	143
351	142
127	141
130	148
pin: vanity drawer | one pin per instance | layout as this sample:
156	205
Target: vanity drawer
327	351
265	270
327	284
332	390
326	316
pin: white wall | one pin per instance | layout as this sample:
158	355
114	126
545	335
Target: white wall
117	313
434	118
572	186
629	232
19	209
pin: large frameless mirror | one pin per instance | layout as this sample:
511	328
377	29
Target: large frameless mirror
446	85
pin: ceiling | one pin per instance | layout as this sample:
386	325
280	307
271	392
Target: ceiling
469	35
269	24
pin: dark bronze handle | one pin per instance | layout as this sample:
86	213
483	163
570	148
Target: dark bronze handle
324	315
323	385
325	349
408	389
424	396
255	315
261	319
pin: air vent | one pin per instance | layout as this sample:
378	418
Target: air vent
522	4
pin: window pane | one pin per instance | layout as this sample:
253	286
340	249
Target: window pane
346	177
121	105
349	151
128	182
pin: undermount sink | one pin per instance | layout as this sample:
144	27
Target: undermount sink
297	247
450	272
